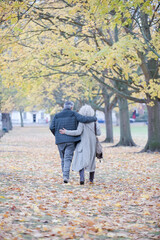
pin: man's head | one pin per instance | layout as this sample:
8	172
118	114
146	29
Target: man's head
68	105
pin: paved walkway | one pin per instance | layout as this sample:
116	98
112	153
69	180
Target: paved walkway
35	204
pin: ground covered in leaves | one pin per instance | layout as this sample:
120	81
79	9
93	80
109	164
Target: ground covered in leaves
123	203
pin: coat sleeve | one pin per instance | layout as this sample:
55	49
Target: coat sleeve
76	132
84	119
98	129
52	126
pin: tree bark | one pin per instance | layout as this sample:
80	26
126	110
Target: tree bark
10	123
108	115
153	143
125	131
117	118
108	123
1	133
21	117
150	71
51	117
6	122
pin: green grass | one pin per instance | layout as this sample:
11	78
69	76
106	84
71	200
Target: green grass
138	131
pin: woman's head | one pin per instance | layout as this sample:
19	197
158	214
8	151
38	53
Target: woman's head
86	110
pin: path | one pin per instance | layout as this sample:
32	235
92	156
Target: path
35	204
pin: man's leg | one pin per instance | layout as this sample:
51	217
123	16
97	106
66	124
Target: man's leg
81	174
61	148
68	155
91	177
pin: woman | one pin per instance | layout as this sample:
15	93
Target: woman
84	156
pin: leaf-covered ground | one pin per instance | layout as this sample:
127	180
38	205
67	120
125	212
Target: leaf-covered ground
123	203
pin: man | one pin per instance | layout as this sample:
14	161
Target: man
68	119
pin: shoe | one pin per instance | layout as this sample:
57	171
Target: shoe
91	182
65	180
81	182
91	177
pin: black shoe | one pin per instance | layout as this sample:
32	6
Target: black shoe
81	182
91	177
65	181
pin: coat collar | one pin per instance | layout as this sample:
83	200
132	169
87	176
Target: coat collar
67	109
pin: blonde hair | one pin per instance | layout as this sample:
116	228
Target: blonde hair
86	110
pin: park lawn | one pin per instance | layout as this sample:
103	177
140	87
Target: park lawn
123	203
138	132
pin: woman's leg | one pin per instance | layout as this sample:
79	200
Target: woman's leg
91	177
81	174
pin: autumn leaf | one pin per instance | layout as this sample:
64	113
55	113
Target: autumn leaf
34	202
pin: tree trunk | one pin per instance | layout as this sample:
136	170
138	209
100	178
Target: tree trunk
51	117
108	122
153	143
21	117
1	133
6	122
117	118
108	114
125	131
10	123
150	70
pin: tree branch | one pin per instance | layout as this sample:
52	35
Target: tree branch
121	94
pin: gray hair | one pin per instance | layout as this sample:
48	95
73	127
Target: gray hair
68	105
86	110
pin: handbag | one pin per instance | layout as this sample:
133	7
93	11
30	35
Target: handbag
99	152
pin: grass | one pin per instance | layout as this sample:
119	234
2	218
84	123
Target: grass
138	132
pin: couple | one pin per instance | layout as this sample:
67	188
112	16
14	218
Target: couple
76	131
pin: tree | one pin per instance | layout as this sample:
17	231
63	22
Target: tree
136	47
10	14
98	35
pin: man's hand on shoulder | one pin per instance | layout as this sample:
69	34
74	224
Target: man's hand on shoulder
85	119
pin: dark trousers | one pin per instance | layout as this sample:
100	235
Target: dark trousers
66	151
81	174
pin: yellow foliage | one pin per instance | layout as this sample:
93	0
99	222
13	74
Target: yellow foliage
37	54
